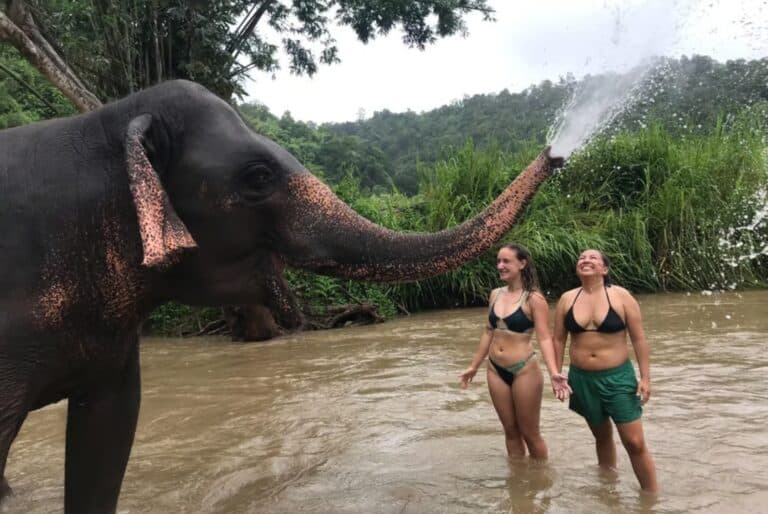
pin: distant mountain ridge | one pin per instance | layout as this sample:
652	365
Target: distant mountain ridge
685	94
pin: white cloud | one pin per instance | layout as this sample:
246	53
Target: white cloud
529	42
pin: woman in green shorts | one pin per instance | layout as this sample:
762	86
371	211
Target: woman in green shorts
599	316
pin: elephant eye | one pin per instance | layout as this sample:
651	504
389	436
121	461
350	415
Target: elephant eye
256	181
256	177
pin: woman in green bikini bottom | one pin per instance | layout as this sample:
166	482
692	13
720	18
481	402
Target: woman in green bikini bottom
598	317
514	377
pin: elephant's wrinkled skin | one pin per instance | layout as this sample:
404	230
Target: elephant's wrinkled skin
165	195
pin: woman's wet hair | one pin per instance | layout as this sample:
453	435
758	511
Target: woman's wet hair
528	274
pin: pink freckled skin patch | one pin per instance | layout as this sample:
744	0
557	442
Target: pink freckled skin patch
121	286
51	305
163	234
115	294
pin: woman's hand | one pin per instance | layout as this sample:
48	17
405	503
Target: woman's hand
560	386
644	390
466	376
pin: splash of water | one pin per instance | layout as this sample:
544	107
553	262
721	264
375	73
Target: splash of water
594	103
648	28
637	34
744	243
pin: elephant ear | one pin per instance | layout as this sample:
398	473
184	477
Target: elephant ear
163	234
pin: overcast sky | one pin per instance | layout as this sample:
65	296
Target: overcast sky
530	41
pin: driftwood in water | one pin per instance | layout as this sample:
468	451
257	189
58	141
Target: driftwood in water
232	323
343	316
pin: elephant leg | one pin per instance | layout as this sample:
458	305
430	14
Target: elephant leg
13	412
100	427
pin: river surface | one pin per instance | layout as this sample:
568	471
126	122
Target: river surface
372	420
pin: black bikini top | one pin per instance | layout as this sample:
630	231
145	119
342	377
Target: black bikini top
611	324
515	322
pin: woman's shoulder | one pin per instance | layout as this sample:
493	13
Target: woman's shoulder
622	294
536	296
566	299
494	293
619	291
567	295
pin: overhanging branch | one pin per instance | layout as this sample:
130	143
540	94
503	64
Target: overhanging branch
247	29
22	32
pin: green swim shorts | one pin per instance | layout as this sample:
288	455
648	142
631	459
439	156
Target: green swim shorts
605	393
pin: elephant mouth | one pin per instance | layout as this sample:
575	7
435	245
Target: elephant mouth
282	301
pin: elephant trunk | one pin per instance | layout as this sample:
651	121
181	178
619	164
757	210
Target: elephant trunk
340	242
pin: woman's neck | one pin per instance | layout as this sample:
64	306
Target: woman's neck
590	284
515	285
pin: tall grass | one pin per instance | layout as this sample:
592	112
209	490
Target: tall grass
671	200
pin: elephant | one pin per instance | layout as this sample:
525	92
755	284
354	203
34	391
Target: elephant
164	195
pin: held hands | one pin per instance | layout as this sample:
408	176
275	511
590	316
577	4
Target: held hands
644	390
466	376
560	386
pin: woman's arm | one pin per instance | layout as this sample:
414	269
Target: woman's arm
639	343
482	350
560	335
540	314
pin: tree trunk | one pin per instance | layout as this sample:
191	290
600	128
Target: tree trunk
18	27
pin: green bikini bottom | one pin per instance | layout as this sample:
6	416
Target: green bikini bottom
507	373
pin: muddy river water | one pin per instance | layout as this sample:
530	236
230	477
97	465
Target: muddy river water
372	420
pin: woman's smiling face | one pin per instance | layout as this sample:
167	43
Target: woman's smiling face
508	265
591	263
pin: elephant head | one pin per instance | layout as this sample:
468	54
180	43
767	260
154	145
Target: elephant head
249	207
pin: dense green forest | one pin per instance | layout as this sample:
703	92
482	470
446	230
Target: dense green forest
673	190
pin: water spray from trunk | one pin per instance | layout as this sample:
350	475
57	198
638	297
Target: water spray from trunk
594	104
